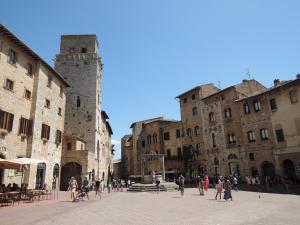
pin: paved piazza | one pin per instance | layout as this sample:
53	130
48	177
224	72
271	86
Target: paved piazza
164	208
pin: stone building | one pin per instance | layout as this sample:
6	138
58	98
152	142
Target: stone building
32	106
80	64
126	156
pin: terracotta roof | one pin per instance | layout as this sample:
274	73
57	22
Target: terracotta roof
148	120
193	89
35	56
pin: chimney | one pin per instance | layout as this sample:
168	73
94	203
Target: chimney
298	76
276	82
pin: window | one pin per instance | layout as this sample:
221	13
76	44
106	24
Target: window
273	104
227	113
143	143
61	91
9	84
59	111
246	108
154	138
6	120
29	69
189	132
78	101
25	127
251	156
166	136
251	136
293	97
45	134
27	94
83	50
179	153
58	136
264	135
231	138
185	100
89	118
256	105
47	103
195	112
280	135
177	133
213	137
49	82
168	154
193	97
197	130
12	56
149	139
211	117
69	146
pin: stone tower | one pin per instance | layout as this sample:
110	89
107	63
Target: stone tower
79	63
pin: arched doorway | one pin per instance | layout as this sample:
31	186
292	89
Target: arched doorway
268	169
69	170
233	165
40	175
289	169
55	176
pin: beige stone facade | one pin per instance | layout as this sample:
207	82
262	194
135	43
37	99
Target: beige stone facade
245	129
32	104
80	64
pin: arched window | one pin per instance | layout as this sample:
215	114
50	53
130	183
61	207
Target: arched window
195	111
251	136
197	131
232	157
149	139
213	137
216	161
154	138
78	101
264	135
227	113
246	108
189	132
256	105
251	156
211	117
231	138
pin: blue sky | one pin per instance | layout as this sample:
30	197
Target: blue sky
154	50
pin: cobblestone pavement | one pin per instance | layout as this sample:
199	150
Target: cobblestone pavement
164	208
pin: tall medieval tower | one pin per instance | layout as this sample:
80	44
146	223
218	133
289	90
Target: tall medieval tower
79	63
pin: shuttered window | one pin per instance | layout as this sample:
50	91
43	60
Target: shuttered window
6	120
45	134
25	127
58	137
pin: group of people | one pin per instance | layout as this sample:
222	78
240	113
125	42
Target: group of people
224	183
83	191
9	188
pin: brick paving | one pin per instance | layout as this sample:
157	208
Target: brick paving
164	208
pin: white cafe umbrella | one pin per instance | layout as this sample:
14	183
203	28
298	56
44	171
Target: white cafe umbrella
25	161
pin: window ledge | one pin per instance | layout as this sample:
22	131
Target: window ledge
11	90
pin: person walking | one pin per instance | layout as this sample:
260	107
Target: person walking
157	185
73	186
206	183
181	185
235	183
200	185
227	190
219	188
97	187
85	186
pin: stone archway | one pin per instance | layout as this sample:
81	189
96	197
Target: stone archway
40	175
55	176
233	165
71	169
268	169
289	169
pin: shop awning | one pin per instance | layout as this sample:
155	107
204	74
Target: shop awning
7	164
26	161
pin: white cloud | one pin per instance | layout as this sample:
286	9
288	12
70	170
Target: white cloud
115	142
